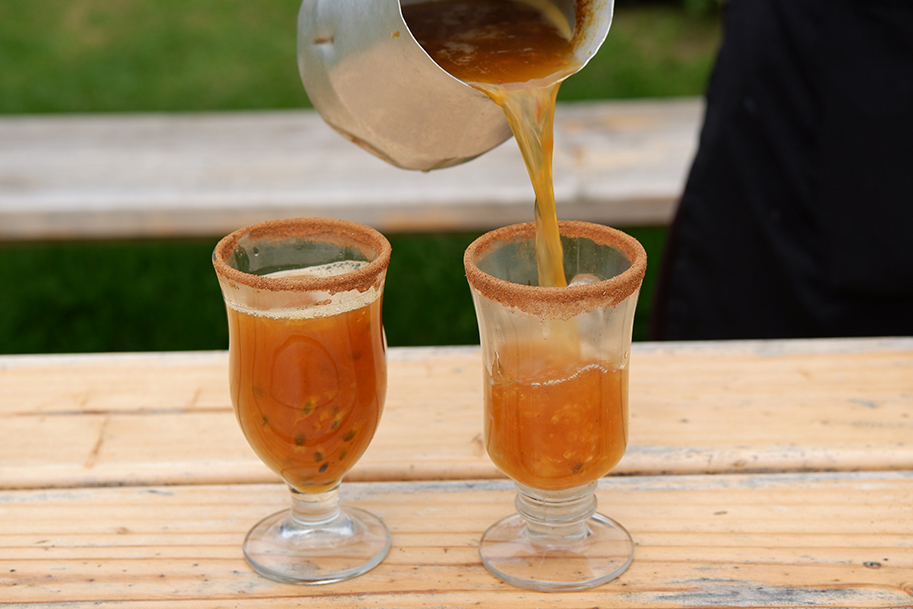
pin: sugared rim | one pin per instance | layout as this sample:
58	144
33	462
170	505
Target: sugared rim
361	279
555	302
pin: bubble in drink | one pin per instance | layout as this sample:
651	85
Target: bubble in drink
584	279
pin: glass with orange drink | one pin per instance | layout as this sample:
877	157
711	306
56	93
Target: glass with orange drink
308	377
555	367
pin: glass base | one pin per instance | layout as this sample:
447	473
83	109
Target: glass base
531	550
352	543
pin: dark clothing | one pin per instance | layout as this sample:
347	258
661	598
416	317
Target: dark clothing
797	218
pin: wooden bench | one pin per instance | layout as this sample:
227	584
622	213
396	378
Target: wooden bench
185	175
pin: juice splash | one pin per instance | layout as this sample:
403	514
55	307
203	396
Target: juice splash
517	53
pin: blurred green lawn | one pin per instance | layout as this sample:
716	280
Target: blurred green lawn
214	55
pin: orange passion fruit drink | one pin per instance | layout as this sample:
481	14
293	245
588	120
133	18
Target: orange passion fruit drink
307	375
554	420
556	359
308	392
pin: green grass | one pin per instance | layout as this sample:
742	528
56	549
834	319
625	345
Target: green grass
654	50
180	55
163	295
202	55
83	297
142	55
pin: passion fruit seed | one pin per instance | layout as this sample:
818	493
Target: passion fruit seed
349	435
323	467
308	407
318	456
300	440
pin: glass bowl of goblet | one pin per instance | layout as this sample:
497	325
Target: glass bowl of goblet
308	378
555	368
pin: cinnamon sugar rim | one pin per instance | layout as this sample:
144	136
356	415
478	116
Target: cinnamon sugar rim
563	302
340	232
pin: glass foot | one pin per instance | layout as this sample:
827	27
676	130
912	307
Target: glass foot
352	543
544	547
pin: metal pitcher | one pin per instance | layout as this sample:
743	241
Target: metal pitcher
369	79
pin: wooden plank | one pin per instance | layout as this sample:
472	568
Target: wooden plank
165	175
781	405
809	540
763	406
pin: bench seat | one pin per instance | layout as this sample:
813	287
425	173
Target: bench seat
206	174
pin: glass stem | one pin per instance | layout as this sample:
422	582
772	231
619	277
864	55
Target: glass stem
311	510
556	518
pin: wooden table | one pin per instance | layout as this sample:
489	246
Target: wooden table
760	474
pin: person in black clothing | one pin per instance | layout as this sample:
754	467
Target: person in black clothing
797	216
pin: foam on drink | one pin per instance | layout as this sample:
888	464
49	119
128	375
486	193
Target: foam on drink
334	305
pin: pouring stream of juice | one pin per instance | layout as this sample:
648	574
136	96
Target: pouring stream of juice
517	52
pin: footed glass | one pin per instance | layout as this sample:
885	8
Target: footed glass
555	373
308	378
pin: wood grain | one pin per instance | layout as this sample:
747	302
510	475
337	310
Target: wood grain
798	540
769	406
